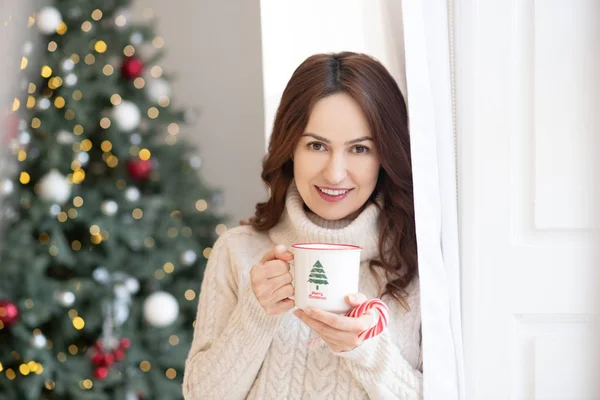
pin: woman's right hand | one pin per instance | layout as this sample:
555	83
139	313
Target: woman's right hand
272	281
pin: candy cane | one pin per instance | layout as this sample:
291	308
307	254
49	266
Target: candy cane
382	322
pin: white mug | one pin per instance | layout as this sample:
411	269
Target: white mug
324	274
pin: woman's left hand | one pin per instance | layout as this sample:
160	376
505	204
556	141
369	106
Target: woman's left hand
338	331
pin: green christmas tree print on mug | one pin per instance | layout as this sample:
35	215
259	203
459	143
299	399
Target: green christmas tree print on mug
317	275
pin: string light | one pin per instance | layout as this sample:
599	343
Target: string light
77	95
30	102
44	238
30	21
36	123
78	323
52	46
149	242
105	123
59	102
156	71
10	374
76	245
129	50
139	82
190	295
158	42
108	70
120	21
46	71
168	267
31	89
106	146
173	128
145	366
86	144
49	384
173	340
89	59
172	232
78	201
137	213
153	112
115	99
201	205
78	129
69	115
22	156
221	229
73	349
73	213
100	46
171	373
159	274
53	251
86	26
24	62
61	357
24	178
87	384
164	101
206	253
97	15
94	230
62	28
62	216
144	154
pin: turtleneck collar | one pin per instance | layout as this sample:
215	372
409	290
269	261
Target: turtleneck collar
298	225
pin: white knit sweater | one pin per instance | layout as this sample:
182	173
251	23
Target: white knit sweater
240	352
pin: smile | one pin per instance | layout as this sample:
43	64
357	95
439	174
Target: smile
333	195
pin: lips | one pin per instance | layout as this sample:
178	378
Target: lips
332	195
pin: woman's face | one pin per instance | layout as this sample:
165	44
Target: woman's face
335	162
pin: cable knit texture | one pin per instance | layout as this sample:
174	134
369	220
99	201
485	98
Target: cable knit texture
240	352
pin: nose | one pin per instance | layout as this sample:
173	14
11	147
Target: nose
336	169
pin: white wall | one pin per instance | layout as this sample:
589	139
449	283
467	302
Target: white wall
214	48
292	30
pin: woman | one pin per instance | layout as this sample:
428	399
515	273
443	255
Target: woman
339	171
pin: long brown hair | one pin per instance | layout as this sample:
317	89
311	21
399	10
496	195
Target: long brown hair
375	90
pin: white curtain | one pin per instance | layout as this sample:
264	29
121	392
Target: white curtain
429	89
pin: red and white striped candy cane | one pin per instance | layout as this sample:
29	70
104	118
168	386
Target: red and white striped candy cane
382	322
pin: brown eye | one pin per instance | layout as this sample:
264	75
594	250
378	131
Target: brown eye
316	146
360	149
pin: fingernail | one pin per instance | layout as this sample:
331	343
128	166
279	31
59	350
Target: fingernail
308	311
281	248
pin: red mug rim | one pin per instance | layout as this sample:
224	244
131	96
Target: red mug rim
342	247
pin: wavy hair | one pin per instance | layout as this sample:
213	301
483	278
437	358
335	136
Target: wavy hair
368	82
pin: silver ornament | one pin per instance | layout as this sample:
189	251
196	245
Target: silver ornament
68	65
195	162
7	187
71	79
132	194
83	158
24	138
110	207
44	104
132	285
64	137
188	257
101	275
135	139
136	38
55	209
38	341
66	299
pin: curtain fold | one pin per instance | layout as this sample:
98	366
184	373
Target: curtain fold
430	109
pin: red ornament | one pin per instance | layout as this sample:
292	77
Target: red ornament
101	373
132	67
119	354
139	169
109	359
98	358
9	313
125	343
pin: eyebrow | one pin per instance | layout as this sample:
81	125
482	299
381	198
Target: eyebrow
321	138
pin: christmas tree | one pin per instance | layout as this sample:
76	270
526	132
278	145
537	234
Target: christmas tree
317	275
108	225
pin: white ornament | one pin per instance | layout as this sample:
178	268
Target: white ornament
195	162
7	187
110	207
71	79
43	104
66	299
132	194
161	309
38	341
121	312
54	187
132	285
68	65
101	275
127	116
188	257
158	88
54	209
136	38
135	139
64	137
83	157
24	138
48	20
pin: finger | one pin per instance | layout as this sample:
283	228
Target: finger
281	280
356	299
317	326
276	268
282	293
340	322
280	307
278	252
